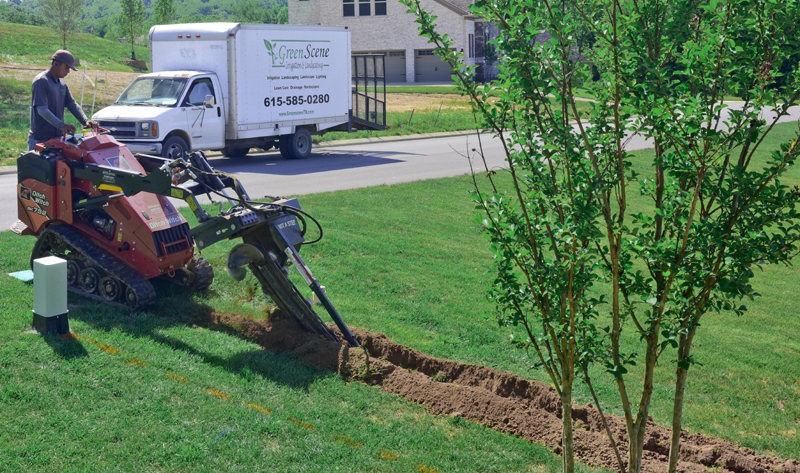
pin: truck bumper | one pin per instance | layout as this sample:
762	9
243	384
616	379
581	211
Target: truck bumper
142	147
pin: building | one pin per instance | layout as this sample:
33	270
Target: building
384	27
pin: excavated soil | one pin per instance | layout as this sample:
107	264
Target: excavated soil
498	400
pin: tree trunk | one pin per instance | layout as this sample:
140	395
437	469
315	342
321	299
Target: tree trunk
638	429
677	413
684	347
635	450
566	430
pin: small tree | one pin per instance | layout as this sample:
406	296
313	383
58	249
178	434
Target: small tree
63	15
130	20
164	12
565	223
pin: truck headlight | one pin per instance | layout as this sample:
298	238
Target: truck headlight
149	129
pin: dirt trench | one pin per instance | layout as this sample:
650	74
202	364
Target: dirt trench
501	401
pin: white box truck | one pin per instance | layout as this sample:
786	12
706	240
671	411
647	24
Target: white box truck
233	86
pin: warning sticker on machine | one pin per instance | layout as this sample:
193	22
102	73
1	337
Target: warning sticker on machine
305	273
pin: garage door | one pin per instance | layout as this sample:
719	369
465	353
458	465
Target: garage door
429	68
396	66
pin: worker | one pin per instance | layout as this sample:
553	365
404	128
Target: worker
49	96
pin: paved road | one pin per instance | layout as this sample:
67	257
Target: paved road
349	166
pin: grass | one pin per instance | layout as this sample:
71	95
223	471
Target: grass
149	391
14	118
417	274
33	45
405	260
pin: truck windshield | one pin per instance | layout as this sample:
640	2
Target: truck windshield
153	91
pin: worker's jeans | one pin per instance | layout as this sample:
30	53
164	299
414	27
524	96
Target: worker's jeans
31	143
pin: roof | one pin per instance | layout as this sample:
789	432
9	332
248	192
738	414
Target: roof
454	8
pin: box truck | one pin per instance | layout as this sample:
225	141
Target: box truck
232	87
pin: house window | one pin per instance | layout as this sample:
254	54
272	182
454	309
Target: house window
425	52
380	7
364	7
349	8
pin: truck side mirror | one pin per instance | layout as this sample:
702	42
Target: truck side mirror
209	101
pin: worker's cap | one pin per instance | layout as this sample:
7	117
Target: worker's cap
62	55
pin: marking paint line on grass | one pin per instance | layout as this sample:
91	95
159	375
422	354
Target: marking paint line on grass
258	408
176	377
423	468
301	423
135	361
108	349
348	441
217	393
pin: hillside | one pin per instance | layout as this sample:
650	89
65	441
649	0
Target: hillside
33	45
99	16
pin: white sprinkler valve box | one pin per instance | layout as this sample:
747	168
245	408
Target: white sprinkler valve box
314	299
50	295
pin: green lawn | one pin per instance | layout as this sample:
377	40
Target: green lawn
144	391
153	392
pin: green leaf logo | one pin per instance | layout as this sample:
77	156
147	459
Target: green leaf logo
271	49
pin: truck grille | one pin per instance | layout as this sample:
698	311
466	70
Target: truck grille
106	124
172	240
123	129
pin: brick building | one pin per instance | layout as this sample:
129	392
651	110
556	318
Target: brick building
385	27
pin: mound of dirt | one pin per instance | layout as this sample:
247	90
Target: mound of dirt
499	400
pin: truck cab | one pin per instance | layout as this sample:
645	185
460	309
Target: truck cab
168	114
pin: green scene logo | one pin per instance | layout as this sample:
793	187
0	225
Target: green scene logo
281	53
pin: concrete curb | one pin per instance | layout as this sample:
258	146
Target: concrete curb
331	144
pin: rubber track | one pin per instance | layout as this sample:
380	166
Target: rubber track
145	293
277	285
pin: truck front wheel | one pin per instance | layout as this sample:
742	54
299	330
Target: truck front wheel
174	147
296	145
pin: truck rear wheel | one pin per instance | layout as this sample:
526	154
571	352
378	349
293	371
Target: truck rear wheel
296	145
283	146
